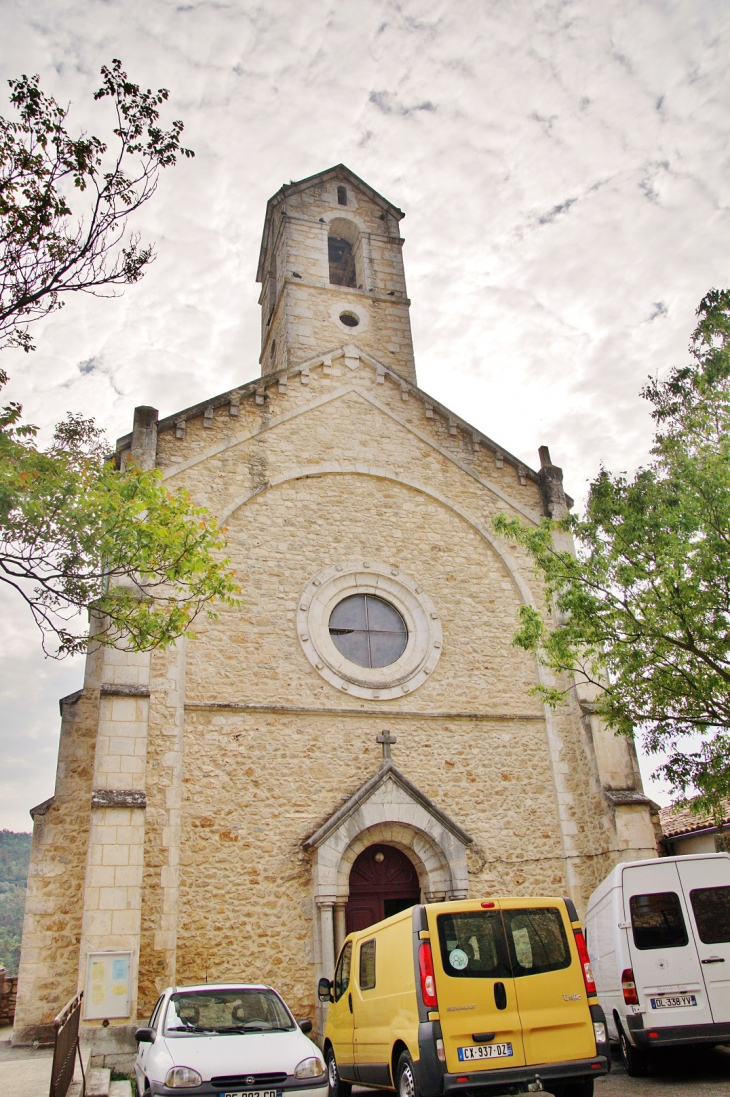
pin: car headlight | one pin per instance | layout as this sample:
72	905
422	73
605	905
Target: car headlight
182	1076
309	1068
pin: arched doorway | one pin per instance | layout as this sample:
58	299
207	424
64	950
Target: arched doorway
382	882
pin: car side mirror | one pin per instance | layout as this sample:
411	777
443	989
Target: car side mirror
324	990
145	1036
305	1026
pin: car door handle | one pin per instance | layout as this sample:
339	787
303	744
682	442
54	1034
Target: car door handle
500	996
349	1001
714	960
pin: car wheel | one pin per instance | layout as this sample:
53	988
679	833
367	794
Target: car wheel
583	1088
635	1060
335	1085
407	1086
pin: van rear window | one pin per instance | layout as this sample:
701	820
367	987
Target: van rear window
657	921
537	940
473	945
711	908
503	944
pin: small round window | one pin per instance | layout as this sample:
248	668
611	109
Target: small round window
368	631
349	319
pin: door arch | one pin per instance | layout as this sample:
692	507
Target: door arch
382	882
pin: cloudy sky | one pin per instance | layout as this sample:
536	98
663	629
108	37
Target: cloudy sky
564	171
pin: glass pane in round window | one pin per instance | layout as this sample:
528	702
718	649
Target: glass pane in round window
368	631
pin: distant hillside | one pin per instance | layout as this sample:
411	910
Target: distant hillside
14	859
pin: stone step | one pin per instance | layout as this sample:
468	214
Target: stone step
98	1082
120	1089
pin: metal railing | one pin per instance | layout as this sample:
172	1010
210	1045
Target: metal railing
65	1046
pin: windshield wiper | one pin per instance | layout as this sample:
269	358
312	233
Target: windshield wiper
192	1028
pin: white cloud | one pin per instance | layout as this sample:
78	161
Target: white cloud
563	166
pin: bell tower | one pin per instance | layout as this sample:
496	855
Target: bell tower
331	274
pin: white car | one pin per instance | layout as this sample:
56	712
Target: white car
227	1040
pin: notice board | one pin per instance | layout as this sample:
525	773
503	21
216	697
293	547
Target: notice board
108	990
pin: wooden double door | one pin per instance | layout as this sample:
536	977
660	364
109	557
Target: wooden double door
382	882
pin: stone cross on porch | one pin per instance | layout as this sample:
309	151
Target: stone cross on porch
387	740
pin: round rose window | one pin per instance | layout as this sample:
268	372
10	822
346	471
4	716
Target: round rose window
368	631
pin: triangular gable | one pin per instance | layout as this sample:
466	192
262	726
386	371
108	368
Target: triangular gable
387	772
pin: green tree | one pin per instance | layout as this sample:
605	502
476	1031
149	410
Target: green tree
642	611
14	860
65	201
78	534
75	533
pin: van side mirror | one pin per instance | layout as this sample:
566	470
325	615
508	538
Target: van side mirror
305	1026
145	1036
324	990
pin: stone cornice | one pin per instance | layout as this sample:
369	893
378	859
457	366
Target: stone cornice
393	714
112	689
118	798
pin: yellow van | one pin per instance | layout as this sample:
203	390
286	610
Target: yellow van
486	996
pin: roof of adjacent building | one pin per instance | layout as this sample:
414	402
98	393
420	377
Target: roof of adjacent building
679	819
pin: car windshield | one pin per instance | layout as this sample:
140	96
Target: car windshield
237	1010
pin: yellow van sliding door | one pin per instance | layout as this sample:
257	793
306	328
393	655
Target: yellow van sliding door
384	999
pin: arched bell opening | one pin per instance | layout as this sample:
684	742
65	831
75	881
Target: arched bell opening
343	240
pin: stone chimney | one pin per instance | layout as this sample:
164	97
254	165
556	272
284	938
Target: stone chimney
554	501
144	437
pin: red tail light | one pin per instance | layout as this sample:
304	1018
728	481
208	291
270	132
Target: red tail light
585	963
628	986
428	982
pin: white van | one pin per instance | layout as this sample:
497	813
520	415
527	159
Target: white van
658	934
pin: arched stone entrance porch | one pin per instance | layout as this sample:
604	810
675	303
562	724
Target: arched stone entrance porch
389	810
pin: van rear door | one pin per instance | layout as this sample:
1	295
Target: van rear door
706	886
477	1003
551	994
664	958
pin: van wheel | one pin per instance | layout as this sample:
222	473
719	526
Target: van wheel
407	1084
583	1088
635	1060
336	1087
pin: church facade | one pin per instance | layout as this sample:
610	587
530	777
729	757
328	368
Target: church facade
360	733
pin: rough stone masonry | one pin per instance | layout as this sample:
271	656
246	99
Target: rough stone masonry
211	799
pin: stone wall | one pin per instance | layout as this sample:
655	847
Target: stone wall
8	995
49	958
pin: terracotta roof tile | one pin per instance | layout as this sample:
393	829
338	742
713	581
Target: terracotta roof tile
680	819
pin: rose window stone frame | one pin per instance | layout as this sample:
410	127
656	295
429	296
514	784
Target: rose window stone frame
389	582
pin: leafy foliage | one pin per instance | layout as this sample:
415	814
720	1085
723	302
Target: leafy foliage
78	534
65	201
14	861
643	610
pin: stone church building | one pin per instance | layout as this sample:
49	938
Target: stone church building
359	734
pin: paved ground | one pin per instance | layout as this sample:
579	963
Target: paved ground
704	1073
24	1072
675	1074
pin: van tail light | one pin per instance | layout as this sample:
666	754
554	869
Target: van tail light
585	963
628	986
428	982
